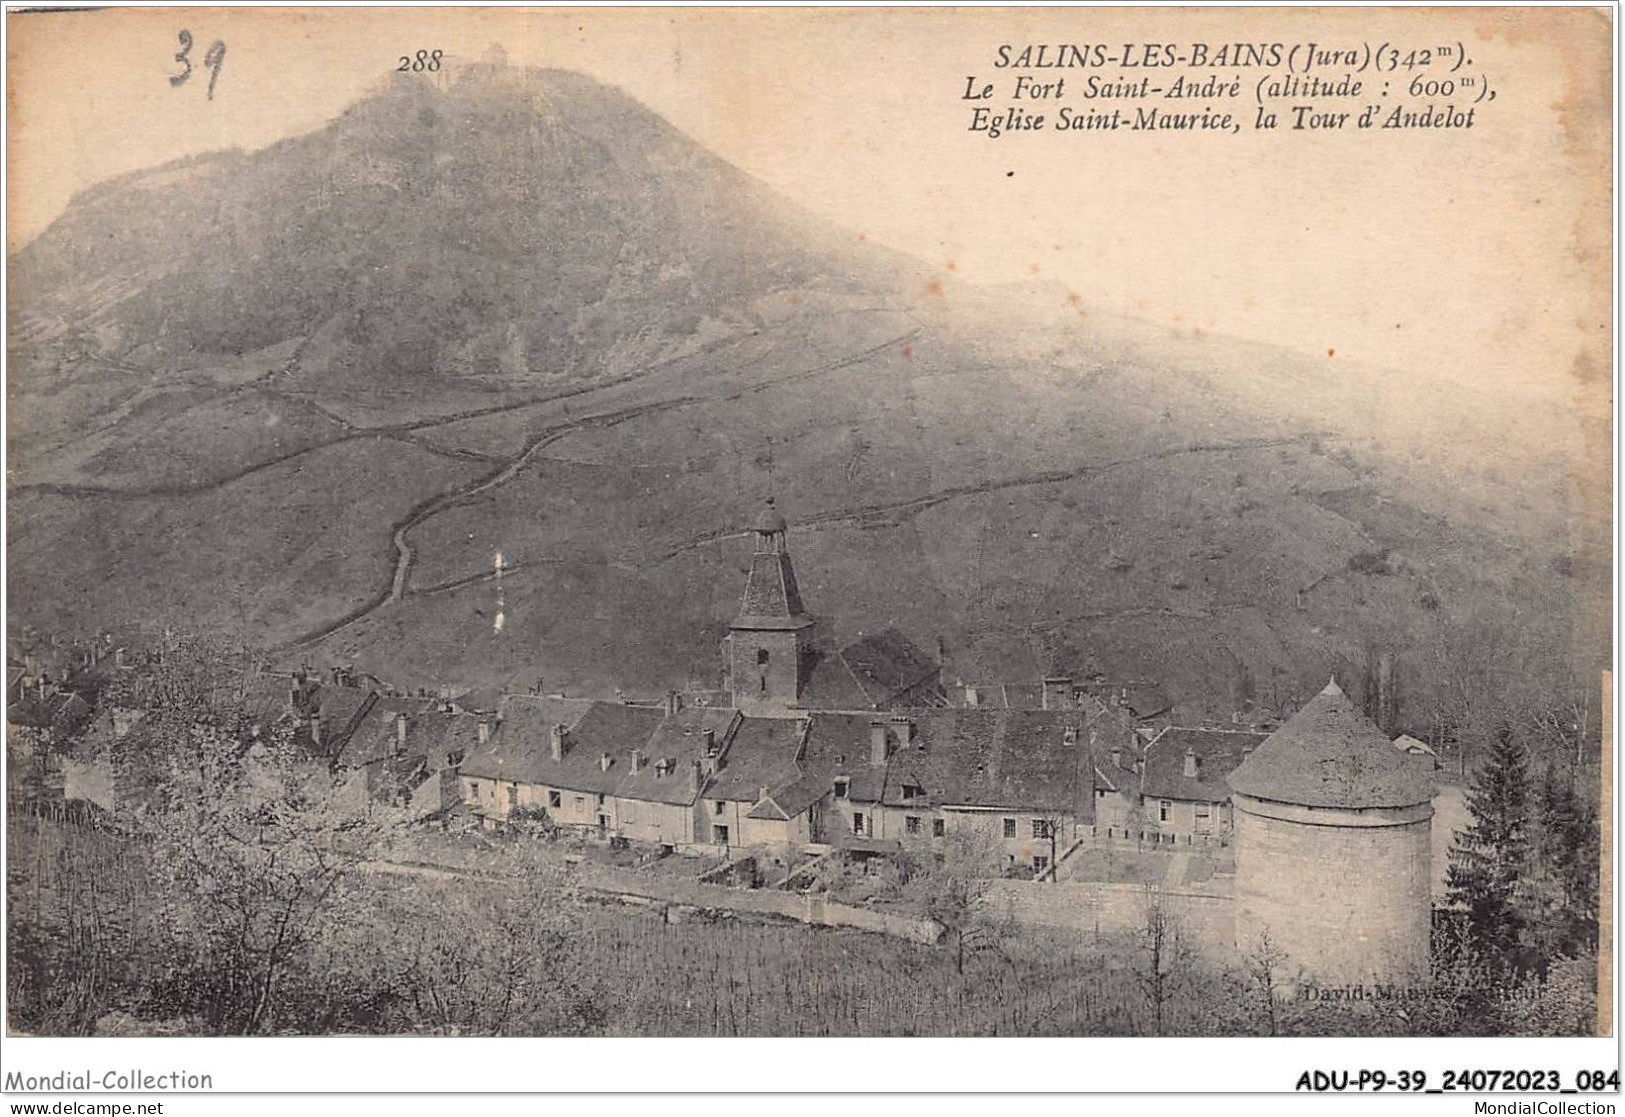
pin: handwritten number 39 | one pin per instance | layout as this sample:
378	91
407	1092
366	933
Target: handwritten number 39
215	57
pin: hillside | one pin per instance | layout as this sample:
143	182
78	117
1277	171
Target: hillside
307	396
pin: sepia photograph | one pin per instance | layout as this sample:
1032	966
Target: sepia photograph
594	522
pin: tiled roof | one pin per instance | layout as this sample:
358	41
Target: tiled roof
1217	753
887	663
772	599
680	739
972	758
830	685
761	754
1107	727
373	736
519	747
342	710
1329	754
793	798
63	711
838	745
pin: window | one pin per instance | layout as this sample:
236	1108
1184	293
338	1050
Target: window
553	798
1041	827
1162	810
912	824
938	828
840	789
719	834
581	804
1204	818
761	657
600	798
513	796
1040	863
912	791
857	822
716	806
1009	827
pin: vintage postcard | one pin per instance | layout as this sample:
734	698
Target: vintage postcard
801	523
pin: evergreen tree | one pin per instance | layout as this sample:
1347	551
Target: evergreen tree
1491	854
1562	899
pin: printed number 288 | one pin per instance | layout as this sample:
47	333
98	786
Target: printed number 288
423	60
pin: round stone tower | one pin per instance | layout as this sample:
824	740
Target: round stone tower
1333	829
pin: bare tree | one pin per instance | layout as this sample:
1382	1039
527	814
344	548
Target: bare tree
953	888
1052	826
1263	963
249	849
1162	961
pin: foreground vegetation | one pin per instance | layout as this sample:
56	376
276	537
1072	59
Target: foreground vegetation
100	942
244	893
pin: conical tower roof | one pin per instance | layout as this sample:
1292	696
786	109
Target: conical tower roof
1329	754
772	600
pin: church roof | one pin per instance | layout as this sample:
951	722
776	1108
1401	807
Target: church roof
772	600
1329	754
887	663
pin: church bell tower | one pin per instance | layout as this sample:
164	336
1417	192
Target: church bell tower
766	648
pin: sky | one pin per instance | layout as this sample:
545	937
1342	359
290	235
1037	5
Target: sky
1480	255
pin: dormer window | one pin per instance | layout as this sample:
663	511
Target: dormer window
912	791
841	786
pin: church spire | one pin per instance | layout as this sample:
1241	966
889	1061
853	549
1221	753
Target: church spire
768	641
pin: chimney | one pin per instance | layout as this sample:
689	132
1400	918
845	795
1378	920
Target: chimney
604	762
1070	735
1192	765
674	703
485	731
972	698
709	738
696	777
877	744
556	741
1117	756
763	795
1246	752
637	762
316	728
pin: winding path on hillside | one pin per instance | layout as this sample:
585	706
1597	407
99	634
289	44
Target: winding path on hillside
912	506
401	570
